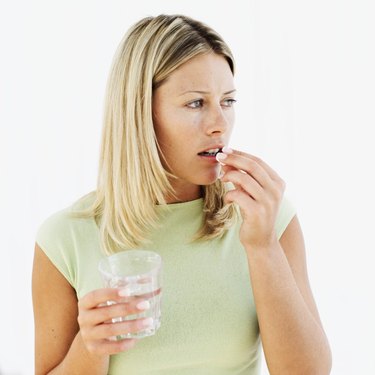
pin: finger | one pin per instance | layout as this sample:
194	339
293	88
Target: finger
108	330
242	199
247	165
271	172
100	296
244	182
111	311
226	168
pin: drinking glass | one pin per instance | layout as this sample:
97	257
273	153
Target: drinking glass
139	273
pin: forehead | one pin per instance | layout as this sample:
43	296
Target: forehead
207	72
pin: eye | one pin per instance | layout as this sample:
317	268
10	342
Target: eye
229	102
195	104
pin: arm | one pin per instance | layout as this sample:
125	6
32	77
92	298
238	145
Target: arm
62	346
293	339
56	326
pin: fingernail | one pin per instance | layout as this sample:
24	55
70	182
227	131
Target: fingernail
227	150
221	156
148	322
124	292
144	305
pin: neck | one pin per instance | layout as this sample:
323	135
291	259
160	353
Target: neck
184	193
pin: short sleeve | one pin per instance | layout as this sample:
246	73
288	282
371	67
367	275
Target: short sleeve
284	217
55	238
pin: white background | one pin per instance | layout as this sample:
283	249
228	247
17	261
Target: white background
306	95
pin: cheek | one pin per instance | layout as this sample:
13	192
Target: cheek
231	118
230	121
163	132
177	130
172	142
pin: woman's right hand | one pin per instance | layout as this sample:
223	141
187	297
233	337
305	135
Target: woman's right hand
95	320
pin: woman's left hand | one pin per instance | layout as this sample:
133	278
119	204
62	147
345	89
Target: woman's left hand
258	192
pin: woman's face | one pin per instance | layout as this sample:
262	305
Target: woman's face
193	113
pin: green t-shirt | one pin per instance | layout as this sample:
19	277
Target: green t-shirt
209	324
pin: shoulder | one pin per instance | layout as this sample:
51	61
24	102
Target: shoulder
285	215
63	234
60	228
55	223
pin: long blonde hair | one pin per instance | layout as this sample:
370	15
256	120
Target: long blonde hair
132	180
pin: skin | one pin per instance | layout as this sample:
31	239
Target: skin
187	122
74	339
292	335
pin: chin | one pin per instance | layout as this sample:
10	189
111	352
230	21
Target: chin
209	179
202	177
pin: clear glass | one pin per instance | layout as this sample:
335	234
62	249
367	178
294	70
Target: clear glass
139	272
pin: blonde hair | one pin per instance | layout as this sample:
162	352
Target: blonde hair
132	180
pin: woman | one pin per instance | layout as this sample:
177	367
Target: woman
232	247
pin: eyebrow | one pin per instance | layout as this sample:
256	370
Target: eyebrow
205	92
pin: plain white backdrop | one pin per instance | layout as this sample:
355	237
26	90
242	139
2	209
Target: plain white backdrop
306	98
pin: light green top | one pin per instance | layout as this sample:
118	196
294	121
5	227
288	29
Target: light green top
209	324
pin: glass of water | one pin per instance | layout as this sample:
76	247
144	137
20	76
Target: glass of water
138	272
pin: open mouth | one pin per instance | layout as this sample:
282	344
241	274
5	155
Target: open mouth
213	152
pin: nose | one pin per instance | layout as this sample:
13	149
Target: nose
218	121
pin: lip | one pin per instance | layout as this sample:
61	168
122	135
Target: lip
209	159
219	145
